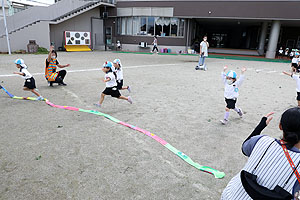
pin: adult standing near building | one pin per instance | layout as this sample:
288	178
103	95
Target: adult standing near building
154	44
51	74
203	54
271	171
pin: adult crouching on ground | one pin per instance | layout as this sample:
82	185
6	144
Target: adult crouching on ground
51	74
271	171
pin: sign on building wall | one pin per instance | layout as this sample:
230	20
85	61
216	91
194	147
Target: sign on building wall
77	38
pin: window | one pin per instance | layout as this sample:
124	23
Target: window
174	26
129	26
136	25
150	27
161	26
123	26
181	27
143	25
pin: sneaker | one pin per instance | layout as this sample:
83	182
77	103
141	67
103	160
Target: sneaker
97	105
62	83
50	84
224	121
129	89
151	51
129	99
40	98
240	113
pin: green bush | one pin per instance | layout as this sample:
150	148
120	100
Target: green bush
42	50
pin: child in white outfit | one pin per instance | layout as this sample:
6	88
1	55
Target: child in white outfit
231	92
111	85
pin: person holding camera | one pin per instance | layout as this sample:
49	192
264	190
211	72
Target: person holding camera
272	169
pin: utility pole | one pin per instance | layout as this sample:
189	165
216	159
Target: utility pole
5	25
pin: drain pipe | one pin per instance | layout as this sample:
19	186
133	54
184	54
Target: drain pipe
5	25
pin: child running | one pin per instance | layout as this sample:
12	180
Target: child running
29	80
297	79
119	72
111	85
231	92
295	62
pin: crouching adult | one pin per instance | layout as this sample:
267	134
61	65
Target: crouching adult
51	74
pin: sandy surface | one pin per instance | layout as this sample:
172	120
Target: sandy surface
84	156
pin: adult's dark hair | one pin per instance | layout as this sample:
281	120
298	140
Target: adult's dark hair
205	36
290	123
53	51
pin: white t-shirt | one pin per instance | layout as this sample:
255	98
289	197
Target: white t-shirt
295	60
204	48
155	42
297	78
119	73
112	82
232	91
26	75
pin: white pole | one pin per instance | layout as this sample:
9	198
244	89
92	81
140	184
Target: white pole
5	25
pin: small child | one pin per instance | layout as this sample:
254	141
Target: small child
292	54
29	80
231	92
295	62
111	85
119	47
119	72
280	53
297	79
286	53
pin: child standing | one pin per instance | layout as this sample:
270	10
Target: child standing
231	92
297	79
29	80
111	85
280	53
119	72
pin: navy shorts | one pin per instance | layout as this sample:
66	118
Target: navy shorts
30	83
113	91
120	84
230	103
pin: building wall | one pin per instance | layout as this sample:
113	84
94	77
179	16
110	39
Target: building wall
79	23
251	9
19	40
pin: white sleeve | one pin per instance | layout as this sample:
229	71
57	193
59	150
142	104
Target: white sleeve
223	77
295	77
240	80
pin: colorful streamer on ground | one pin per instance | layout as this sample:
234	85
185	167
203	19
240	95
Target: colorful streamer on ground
184	157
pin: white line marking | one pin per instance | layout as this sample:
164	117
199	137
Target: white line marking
95	69
271	72
259	70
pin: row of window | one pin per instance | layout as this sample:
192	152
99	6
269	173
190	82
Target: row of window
161	26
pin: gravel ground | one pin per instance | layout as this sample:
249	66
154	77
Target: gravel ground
49	153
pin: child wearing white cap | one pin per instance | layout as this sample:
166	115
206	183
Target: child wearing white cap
295	62
29	80
231	92
111	85
119	72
